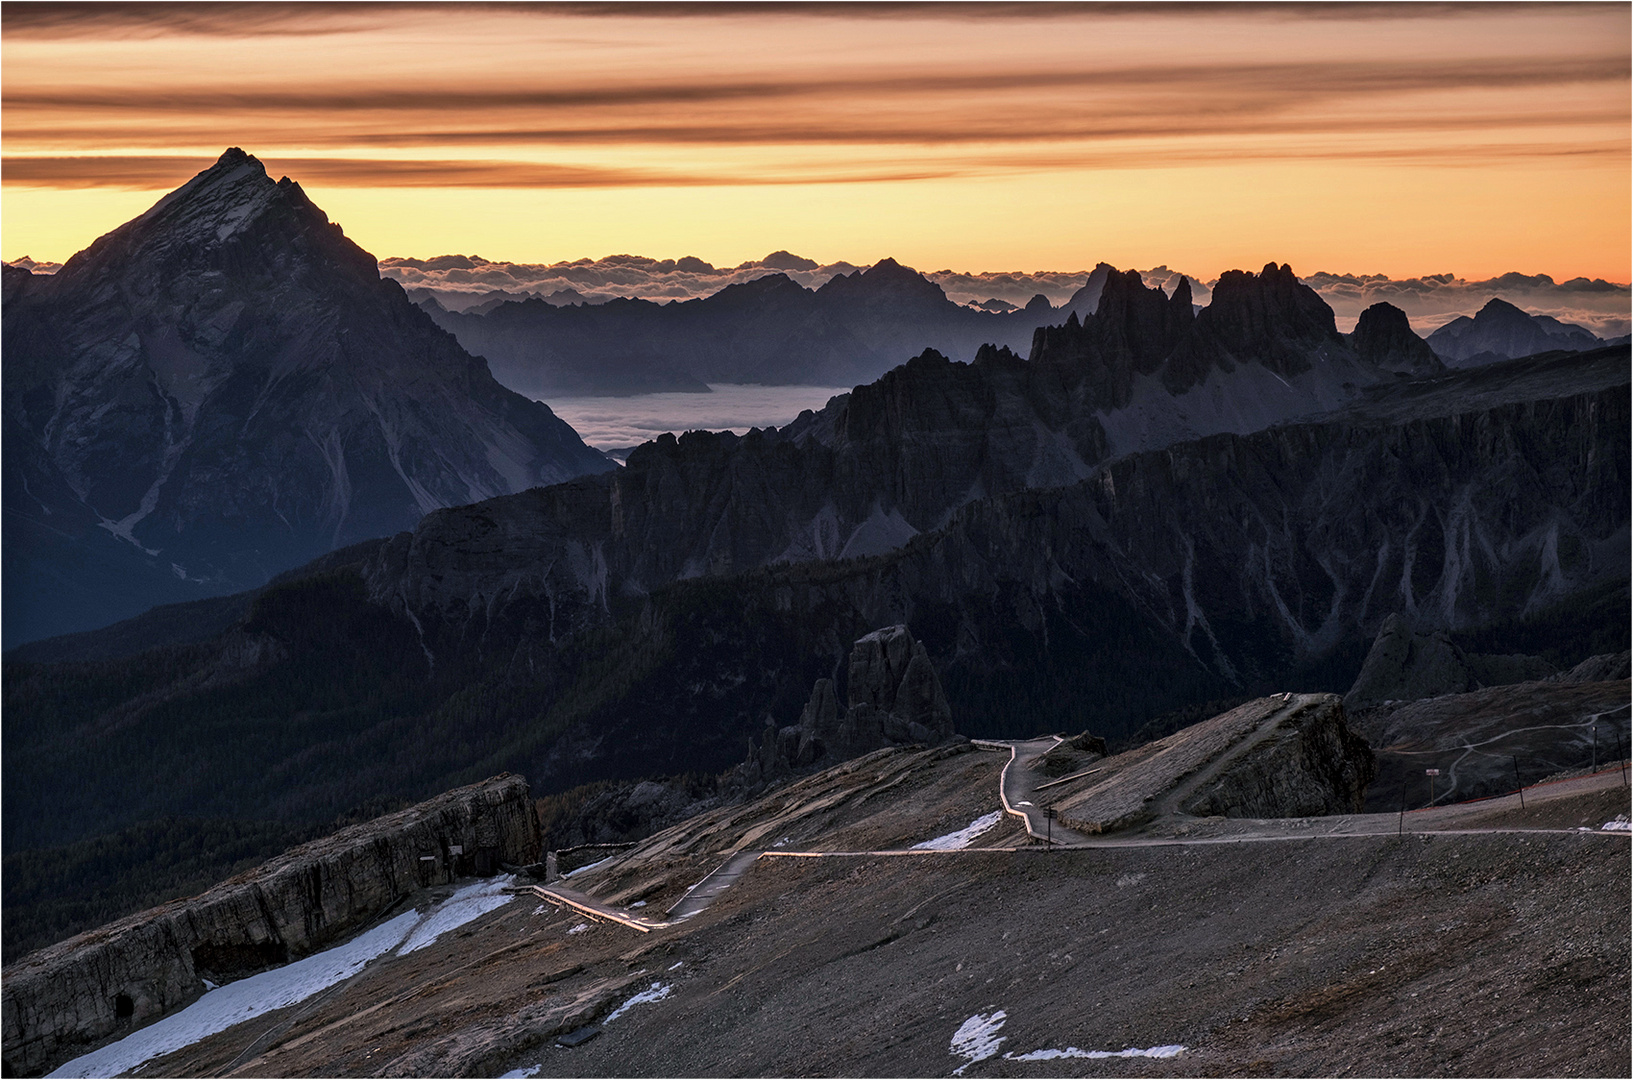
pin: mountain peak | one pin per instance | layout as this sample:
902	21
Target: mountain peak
233	201
1497	306
234	156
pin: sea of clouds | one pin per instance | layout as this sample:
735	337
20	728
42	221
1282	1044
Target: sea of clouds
1431	301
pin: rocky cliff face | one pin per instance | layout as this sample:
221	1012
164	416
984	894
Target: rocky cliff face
64	1000
224	388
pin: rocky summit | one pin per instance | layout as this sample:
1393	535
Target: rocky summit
224	388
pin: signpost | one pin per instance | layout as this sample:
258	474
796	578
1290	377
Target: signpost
1049	826
1431	774
1517	783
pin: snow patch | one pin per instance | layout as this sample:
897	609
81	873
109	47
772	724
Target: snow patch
580	928
1618	824
1074	1052
243	1000
468	903
977	1039
655	992
521	1074
222	1007
587	867
955	841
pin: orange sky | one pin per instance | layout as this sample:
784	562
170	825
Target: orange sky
1399	138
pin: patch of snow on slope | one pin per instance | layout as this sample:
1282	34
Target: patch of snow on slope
955	841
243	1000
1074	1052
522	1074
468	903
977	1038
1618	824
588	867
222	1007
655	992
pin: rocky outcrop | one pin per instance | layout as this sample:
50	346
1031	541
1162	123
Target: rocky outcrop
1602	668
1283	756
1384	336
895	698
224	388
64	1000
1309	765
1406	665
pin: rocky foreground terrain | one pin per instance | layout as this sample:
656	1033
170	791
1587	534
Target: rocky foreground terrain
891	918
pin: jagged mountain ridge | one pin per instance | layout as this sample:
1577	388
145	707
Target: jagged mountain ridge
224	388
1165	578
896	457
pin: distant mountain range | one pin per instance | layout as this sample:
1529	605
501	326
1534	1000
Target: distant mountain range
770	330
850	329
467	282
225	388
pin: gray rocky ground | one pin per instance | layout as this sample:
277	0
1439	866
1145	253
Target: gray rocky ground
1314	946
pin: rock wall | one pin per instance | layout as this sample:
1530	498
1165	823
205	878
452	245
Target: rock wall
67	999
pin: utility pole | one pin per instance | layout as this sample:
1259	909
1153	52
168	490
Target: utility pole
1049	826
1518	786
1595	747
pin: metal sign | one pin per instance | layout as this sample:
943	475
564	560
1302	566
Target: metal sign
1431	772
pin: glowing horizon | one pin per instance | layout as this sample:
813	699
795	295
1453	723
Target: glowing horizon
1394	139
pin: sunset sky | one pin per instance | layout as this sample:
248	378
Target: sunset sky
1402	139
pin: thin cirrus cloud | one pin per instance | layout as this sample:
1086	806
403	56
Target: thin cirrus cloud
145	173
